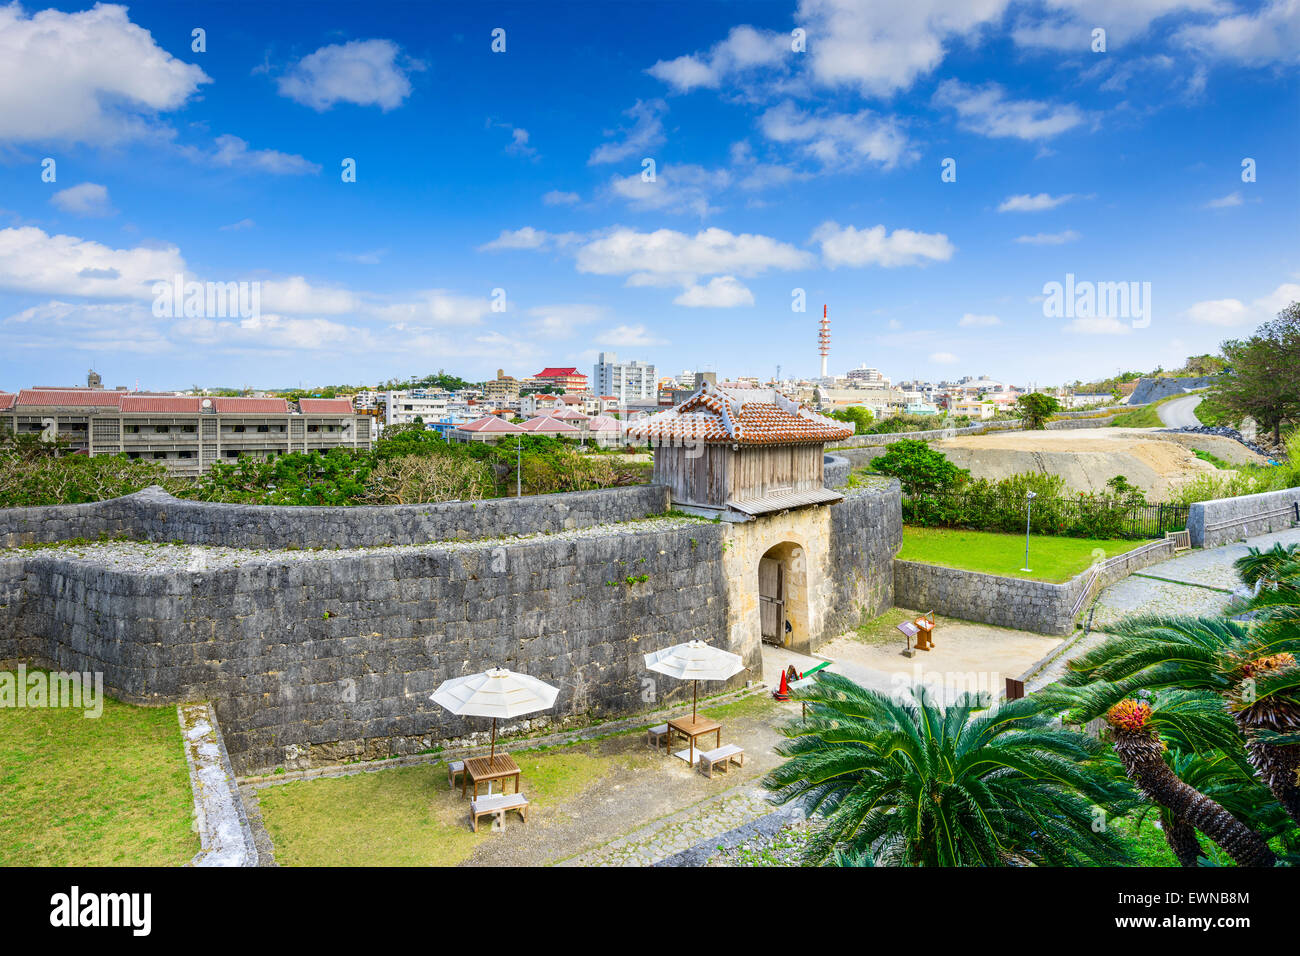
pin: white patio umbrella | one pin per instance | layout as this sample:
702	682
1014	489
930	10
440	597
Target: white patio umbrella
695	661
495	693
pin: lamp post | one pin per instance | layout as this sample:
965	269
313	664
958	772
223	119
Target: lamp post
519	477
1029	514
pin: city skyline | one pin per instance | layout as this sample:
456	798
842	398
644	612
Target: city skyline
926	174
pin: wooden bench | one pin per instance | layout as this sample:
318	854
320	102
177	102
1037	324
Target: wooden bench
657	736
496	805
724	756
455	768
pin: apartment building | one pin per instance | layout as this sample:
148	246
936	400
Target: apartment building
502	389
566	379
185	433
630	381
403	408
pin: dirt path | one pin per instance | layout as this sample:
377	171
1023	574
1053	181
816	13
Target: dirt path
1157	462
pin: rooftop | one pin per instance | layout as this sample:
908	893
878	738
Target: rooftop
743	416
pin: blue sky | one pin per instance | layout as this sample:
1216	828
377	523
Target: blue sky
514	180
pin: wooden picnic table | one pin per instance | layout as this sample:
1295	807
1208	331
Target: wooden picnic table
489	768
691	728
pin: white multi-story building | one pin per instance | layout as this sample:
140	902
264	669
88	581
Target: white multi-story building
403	408
870	377
627	381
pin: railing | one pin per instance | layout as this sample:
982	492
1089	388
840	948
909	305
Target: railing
1077	517
1102	567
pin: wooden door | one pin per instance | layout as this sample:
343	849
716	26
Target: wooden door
771	600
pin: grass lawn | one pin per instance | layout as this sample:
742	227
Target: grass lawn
1051	557
106	791
407	816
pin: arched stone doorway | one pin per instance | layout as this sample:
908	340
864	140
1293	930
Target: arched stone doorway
783	596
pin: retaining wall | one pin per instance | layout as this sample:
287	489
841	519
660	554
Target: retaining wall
154	515
1212	523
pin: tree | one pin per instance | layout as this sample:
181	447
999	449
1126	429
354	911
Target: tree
915	784
1262	379
860	418
919	468
1133	728
1035	408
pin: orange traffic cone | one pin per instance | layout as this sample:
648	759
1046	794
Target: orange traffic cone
782	692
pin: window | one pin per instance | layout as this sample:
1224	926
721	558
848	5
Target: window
313	428
133	429
185	454
263	428
237	429
161	429
158	455
232	453
133	454
189	428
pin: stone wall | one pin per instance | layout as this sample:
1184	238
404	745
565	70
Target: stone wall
1212	523
836	470
154	515
1154	389
986	598
316	657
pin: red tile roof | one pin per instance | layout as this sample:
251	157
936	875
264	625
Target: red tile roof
745	416
77	398
603	423
325	406
544	424
6	401
570	415
559	373
251	406
492	424
156	403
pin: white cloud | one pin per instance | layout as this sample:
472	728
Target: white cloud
884	46
745	48
722	292
850	246
684	188
971	320
629	336
1225	202
986	110
1268	34
1049	238
237	226
295	294
1037	203
647	131
436	307
1234	312
668	253
529	238
559	321
363	72
557	198
88	77
943	358
837	139
1067	25
87	199
233	153
61	265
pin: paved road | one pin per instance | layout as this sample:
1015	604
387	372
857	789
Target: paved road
1180	412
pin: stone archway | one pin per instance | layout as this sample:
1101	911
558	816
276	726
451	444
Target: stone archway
783	596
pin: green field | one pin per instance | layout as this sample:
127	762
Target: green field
107	791
1051	557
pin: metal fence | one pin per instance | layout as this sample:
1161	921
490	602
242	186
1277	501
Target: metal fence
1077	517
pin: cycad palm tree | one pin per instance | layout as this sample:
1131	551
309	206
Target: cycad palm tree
1134	728
1250	664
916	784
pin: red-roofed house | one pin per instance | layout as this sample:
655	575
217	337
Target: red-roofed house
6	401
569	379
741	452
487	428
325	406
545	425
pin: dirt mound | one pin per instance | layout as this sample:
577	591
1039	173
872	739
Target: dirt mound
1086	459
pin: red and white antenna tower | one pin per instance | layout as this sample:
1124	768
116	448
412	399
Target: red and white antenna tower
824	339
